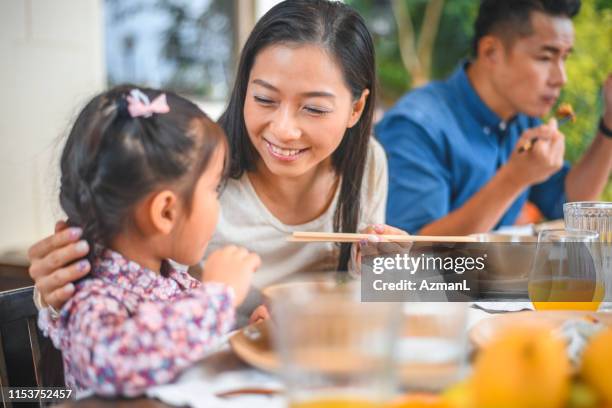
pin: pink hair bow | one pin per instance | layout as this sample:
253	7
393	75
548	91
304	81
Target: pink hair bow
140	105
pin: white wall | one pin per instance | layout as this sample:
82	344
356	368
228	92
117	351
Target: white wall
262	7
51	63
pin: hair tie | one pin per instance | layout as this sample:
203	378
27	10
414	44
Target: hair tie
140	105
122	108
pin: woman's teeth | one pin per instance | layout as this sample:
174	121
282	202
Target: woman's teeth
283	152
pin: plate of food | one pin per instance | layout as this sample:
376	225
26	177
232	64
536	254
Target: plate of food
486	330
253	345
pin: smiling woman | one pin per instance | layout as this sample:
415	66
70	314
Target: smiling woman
296	125
303	117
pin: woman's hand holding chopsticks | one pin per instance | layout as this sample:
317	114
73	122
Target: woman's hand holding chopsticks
374	245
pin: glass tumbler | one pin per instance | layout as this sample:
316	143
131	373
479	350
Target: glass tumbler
335	350
595	216
566	271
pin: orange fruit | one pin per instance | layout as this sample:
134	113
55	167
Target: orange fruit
460	395
522	368
596	367
419	400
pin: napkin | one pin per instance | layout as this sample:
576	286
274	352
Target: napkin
199	391
197	386
498	307
577	333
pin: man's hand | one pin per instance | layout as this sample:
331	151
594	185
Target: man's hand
545	157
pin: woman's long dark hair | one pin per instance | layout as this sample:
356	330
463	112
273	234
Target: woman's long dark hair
341	31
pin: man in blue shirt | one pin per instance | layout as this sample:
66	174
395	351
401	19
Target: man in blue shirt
455	163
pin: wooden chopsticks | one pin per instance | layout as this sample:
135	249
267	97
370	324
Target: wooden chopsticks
300	236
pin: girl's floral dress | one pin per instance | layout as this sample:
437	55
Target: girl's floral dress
128	328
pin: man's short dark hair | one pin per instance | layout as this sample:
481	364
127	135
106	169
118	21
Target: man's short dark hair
511	18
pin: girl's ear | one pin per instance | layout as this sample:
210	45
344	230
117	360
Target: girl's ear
163	211
358	107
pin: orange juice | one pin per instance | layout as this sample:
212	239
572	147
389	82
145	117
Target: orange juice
566	294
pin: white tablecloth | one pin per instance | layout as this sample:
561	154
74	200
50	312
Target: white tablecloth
223	371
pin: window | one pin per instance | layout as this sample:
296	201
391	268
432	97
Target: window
183	45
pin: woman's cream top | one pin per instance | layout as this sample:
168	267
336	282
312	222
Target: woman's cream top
245	221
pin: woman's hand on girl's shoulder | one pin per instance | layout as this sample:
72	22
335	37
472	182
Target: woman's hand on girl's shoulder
233	266
55	263
373	245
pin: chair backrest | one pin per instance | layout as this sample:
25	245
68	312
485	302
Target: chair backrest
14	266
22	345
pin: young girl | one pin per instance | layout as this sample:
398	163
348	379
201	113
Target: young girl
140	177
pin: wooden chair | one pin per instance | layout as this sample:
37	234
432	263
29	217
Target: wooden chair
14	266
22	345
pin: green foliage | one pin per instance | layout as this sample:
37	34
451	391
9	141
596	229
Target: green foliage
607	194
453	41
586	70
393	80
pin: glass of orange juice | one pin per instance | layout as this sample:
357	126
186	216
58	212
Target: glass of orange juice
335	350
566	272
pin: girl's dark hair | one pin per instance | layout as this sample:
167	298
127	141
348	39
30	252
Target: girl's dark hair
342	32
512	18
112	160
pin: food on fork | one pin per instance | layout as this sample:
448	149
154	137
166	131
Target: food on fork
564	113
